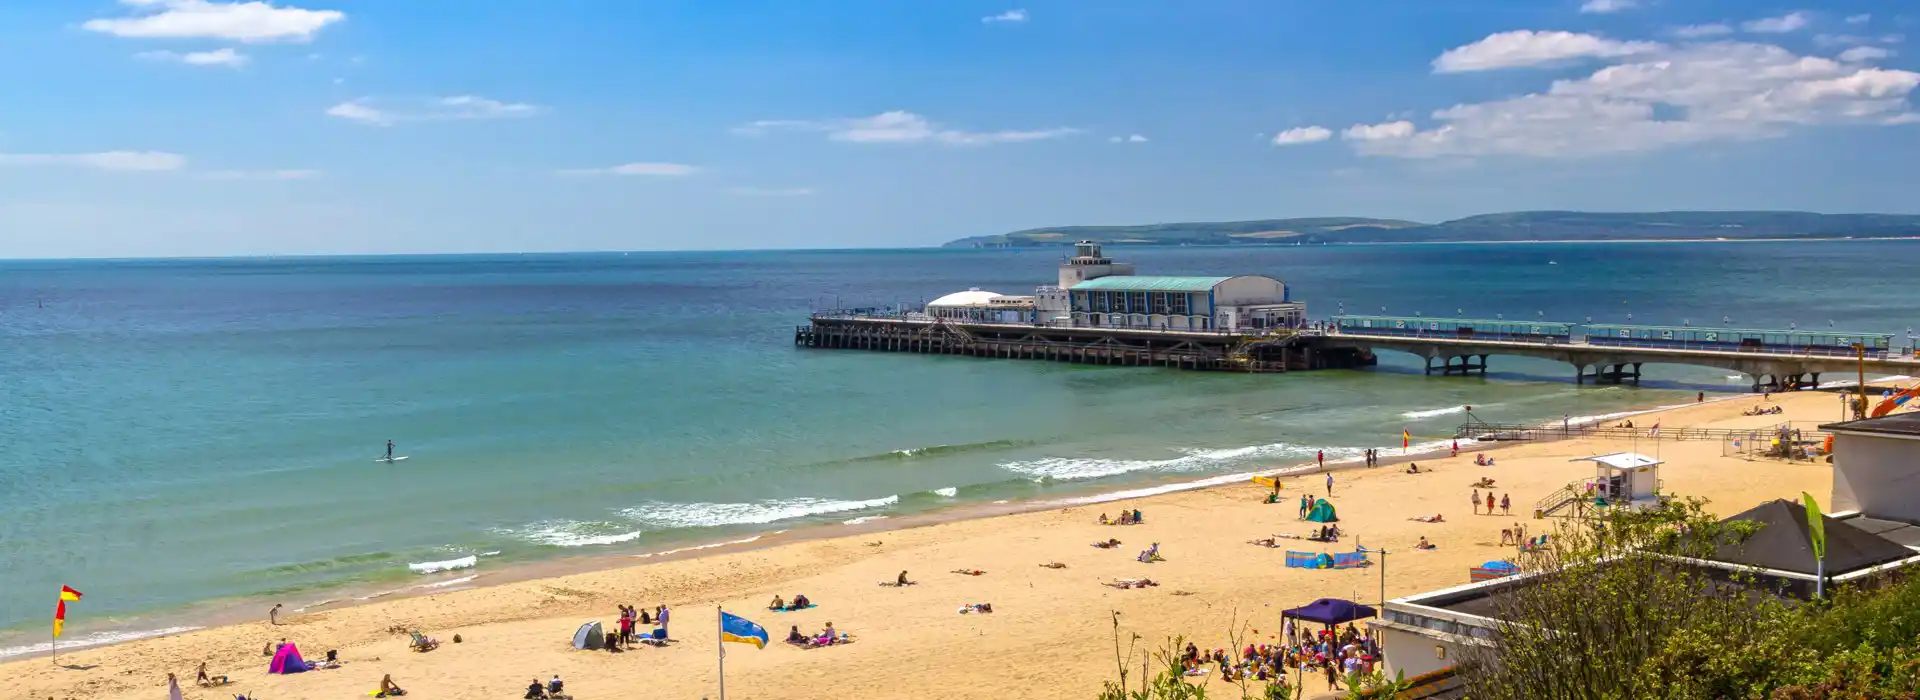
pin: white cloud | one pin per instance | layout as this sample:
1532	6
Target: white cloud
259	175
1790	22
1008	16
1302	134
1136	138
771	191
255	21
387	112
1601	7
1859	54
1690	94
1377	132
900	127
1859	19
132	161
221	57
649	169
1529	48
1697	31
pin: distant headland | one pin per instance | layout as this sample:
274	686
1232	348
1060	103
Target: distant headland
1505	227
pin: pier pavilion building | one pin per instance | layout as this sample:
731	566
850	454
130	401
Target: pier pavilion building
978	306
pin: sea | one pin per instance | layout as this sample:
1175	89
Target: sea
176	435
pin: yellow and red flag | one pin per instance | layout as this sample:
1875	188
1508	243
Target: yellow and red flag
1406	440
60	610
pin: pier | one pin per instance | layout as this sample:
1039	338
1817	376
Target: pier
1272	350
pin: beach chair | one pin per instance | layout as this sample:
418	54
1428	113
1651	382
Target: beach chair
422	643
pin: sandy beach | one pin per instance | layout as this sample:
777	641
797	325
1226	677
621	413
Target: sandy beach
1048	637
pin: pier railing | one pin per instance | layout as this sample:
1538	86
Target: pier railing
1478	430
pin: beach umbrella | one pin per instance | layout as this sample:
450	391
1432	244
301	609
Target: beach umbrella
1330	611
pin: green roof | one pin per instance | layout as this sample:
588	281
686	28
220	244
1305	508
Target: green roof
1131	283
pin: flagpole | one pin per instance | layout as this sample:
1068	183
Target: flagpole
720	643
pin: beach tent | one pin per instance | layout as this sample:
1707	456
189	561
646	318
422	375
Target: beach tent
1323	512
589	636
1330	611
287	660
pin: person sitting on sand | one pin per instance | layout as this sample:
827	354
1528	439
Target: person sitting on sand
800	602
827	636
1136	516
1104	520
207	681
777	604
902	580
388	688
1413	467
795	637
1424	544
535	691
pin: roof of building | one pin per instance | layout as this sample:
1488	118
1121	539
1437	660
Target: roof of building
970	297
1136	283
1621	460
1782	544
1896	424
1900	533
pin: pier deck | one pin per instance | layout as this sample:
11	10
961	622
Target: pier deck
1249	351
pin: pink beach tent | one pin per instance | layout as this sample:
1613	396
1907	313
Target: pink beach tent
288	660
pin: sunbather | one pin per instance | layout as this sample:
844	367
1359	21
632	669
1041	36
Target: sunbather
795	637
777	603
388	688
1053	565
1109	544
423	642
1424	544
966	572
1104	520
1435	518
800	602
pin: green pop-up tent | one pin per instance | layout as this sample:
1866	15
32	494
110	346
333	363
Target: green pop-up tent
1323	512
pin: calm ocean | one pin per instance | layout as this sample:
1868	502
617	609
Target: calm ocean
189	430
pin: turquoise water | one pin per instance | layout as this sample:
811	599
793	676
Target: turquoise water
180	431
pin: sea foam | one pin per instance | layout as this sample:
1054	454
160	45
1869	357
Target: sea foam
92	640
671	515
428	567
1071	468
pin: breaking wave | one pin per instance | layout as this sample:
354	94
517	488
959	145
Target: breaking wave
672	515
1071	469
428	567
571	533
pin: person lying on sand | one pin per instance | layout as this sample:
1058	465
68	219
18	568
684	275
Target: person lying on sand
969	572
976	608
1435	518
1109	544
1127	583
1268	542
1053	565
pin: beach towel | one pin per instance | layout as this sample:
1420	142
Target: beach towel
808	606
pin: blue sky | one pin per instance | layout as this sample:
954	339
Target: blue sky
204	127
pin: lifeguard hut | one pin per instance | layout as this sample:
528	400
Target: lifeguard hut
1624	479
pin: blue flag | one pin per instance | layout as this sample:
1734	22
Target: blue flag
734	628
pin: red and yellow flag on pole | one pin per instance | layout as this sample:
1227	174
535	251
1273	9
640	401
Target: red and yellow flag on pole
60	609
1406	440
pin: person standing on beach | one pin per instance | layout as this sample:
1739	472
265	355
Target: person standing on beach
1476	501
1329	483
1321	458
1506	506
273	616
1489	501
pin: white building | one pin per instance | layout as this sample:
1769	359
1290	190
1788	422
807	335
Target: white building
1102	292
978	306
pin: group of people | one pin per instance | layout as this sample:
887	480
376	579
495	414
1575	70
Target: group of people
1482	460
799	602
1513	535
553	690
826	637
632	617
1764	411
1307	502
1127	517
1336	653
1506	503
1372	457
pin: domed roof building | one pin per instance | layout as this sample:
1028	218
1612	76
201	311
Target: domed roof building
972	297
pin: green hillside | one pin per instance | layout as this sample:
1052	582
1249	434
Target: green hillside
1511	226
